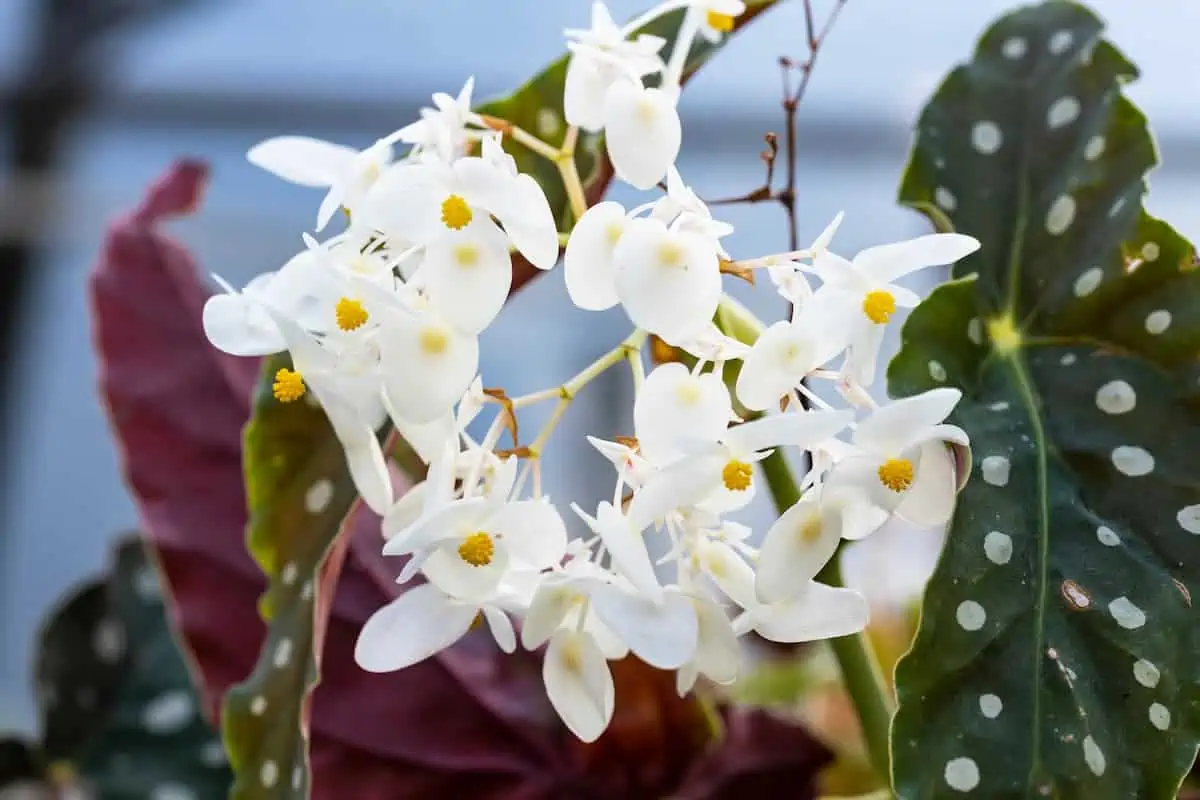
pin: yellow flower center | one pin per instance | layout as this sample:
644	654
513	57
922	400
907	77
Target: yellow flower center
737	476
896	474
810	529
350	314
572	658
456	214
720	22
466	255
615	231
288	386
434	341
477	549
879	306
670	254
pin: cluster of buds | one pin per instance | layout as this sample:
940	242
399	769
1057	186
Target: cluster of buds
382	321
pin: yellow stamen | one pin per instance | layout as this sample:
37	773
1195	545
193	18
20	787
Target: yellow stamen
720	22
671	254
350	314
879	306
737	475
456	214
477	549
467	255
896	474
434	341
288	386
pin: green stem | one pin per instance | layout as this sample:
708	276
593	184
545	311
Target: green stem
856	659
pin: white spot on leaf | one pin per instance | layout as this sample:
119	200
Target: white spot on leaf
289	573
937	371
998	547
1068	359
1001	405
283	653
1150	251
268	774
990	705
1145	673
975	330
1014	48
1160	716
1158	321
995	470
169	712
1107	536
1126	614
258	705
1189	519
319	496
1132	461
1063	111
1116	397
1061	215
1088	282
970	615
945	198
1094	148
1060	42
962	774
213	754
171	791
986	137
1094	756
1116	207
108	640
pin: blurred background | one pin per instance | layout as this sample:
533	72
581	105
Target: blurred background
97	97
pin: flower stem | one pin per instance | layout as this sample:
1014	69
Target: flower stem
569	171
856	659
861	674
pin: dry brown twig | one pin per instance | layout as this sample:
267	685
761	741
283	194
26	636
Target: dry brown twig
792	97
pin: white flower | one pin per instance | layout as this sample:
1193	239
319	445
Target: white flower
787	352
443	128
348	173
626	548
238	323
902	464
642	131
422	622
468	546
600	56
719	17
864	287
588	260
717	655
669	282
663	634
423	202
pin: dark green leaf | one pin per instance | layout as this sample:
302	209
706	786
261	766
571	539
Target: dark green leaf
154	741
293	458
1057	650
20	762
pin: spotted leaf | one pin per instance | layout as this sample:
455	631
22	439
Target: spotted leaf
1057	650
154	740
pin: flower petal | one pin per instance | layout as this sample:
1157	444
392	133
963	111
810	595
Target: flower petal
447	570
417	624
627	549
364	454
669	283
578	683
683	484
238	325
530	224
303	160
549	607
793	429
532	531
729	571
795	549
890	428
717	652
444	521
405	512
820	612
587	84
675	407
643	132
426	365
887	262
661	634
501	627
405	202
930	499
588	260
468	274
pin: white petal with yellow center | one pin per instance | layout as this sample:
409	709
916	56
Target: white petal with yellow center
426	365
468	274
588	261
675	408
642	131
578	683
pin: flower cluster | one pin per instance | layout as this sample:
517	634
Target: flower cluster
382	321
